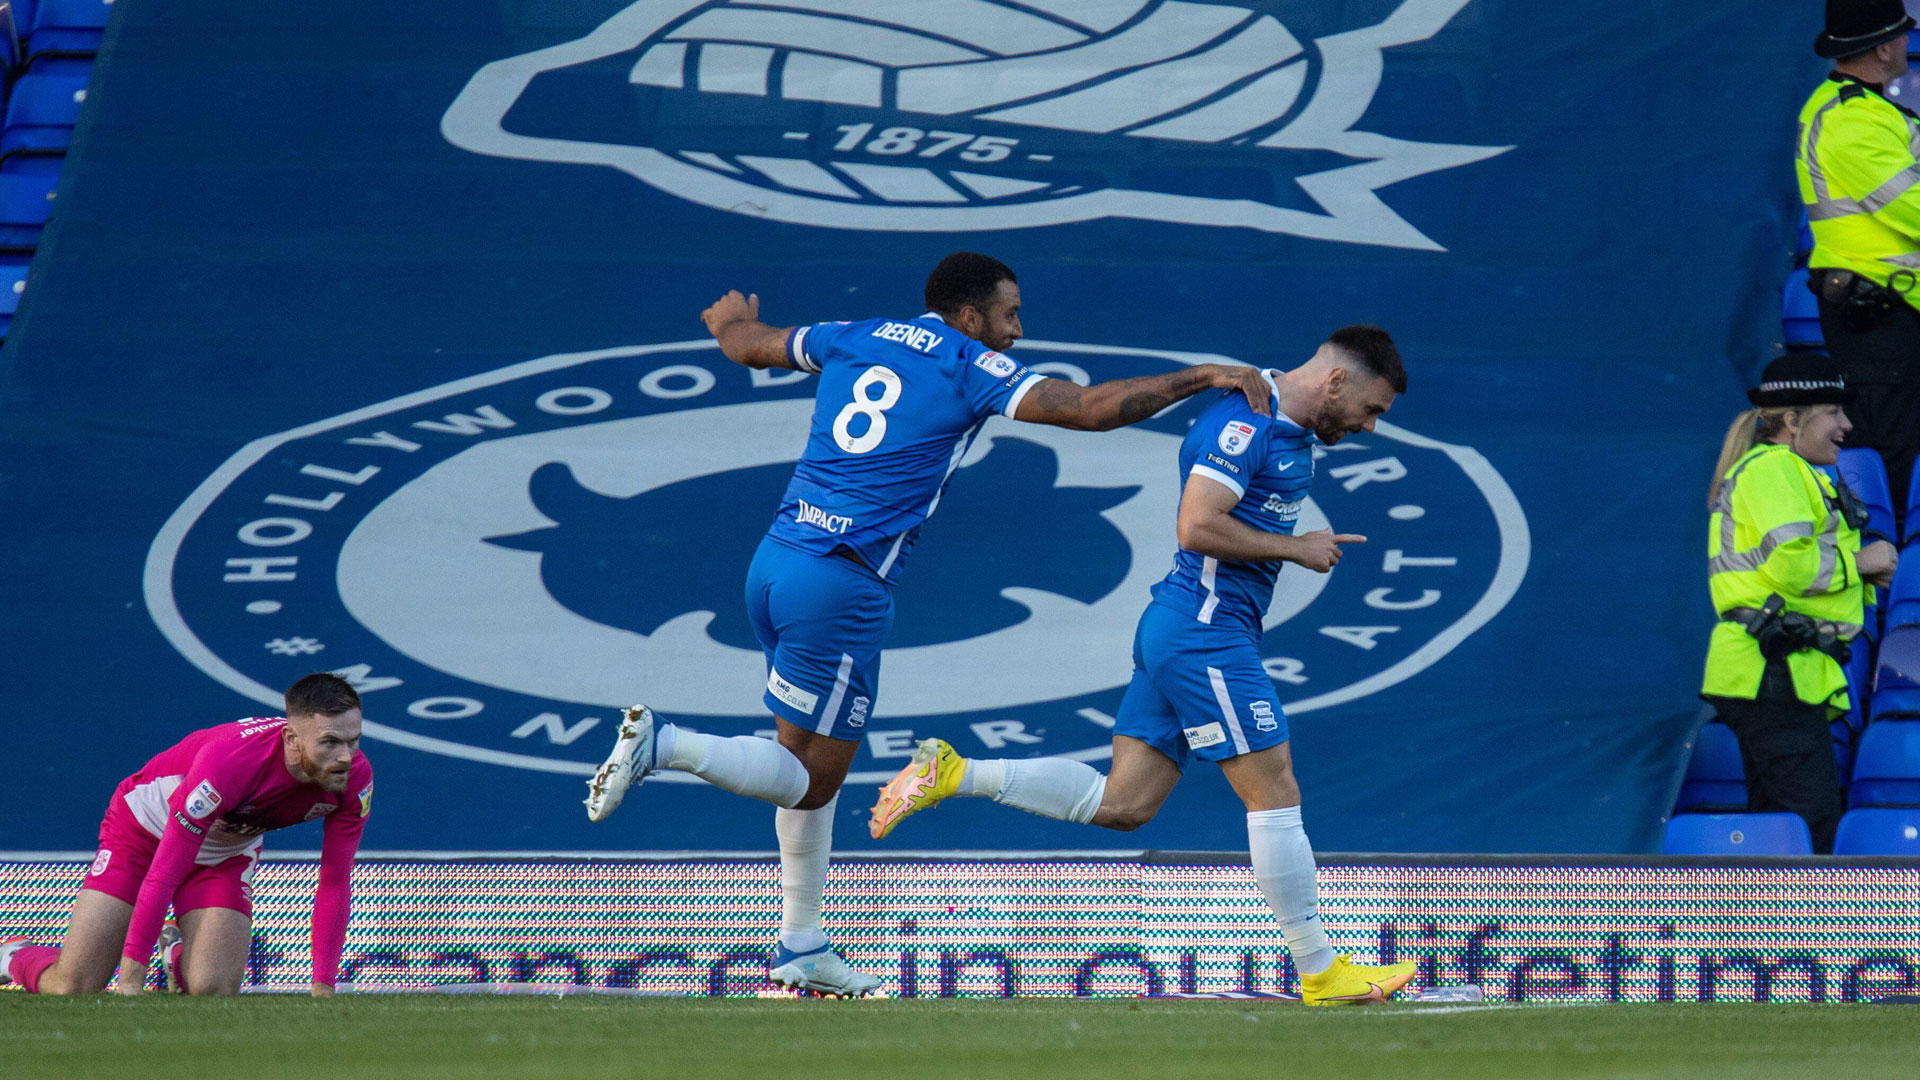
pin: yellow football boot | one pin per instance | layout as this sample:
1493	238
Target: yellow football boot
1348	983
934	774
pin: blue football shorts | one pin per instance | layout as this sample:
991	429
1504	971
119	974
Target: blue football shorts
821	621
1198	691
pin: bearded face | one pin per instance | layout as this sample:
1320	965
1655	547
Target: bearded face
322	748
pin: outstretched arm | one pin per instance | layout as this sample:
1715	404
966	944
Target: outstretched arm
1206	526
333	899
734	321
1108	405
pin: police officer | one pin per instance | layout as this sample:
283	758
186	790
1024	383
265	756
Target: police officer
1788	578
1856	166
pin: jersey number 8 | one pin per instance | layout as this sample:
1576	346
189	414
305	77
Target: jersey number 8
873	408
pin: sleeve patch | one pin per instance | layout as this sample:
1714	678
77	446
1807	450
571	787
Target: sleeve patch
204	800
1236	437
996	364
366	800
188	825
1216	459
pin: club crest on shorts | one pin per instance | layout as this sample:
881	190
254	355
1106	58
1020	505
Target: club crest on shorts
501	563
972	115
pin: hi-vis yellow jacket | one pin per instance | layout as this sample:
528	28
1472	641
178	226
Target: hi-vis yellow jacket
1777	530
1857	161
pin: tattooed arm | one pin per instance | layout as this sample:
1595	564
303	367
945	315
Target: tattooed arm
1108	405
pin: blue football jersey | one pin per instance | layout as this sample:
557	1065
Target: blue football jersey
1268	462
899	403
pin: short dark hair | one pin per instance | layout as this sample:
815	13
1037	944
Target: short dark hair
965	279
321	694
1372	351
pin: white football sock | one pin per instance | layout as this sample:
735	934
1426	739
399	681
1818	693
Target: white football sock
745	764
806	841
1283	867
1049	786
984	778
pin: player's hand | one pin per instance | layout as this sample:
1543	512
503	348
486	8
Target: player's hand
731	308
1249	382
322	990
133	978
1877	562
1320	551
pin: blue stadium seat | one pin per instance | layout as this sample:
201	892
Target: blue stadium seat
1800	313
1738	834
1879	832
1715	778
13	28
1866	474
1903	600
1913	526
1896	703
1803	244
67	27
26	200
1897	660
1886	771
13	281
42	110
1860	673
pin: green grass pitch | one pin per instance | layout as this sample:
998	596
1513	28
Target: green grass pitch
370	1037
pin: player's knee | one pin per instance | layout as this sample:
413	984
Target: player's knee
1124	818
214	987
816	797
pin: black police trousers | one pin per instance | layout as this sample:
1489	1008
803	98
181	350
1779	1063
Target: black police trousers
1787	749
1882	365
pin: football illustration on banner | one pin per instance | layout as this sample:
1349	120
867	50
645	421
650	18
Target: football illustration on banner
505	560
964	115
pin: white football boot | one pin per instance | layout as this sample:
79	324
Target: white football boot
628	764
821	971
170	956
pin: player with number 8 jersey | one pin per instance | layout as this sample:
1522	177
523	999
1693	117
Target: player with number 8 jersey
898	404
916	393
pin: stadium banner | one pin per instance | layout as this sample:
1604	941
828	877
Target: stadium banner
1661	930
366	339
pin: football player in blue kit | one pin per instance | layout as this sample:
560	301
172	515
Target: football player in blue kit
898	403
1199	689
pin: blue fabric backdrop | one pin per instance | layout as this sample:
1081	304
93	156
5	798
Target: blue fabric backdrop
366	337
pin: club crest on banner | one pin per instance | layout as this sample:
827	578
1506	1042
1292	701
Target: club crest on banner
500	563
971	115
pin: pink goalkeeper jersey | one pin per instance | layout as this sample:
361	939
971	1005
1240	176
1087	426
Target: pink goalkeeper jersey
210	796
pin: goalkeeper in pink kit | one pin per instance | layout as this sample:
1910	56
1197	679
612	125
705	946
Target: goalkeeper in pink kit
185	830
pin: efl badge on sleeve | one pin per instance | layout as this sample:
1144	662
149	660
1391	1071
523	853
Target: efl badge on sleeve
1235	437
366	800
996	364
204	800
